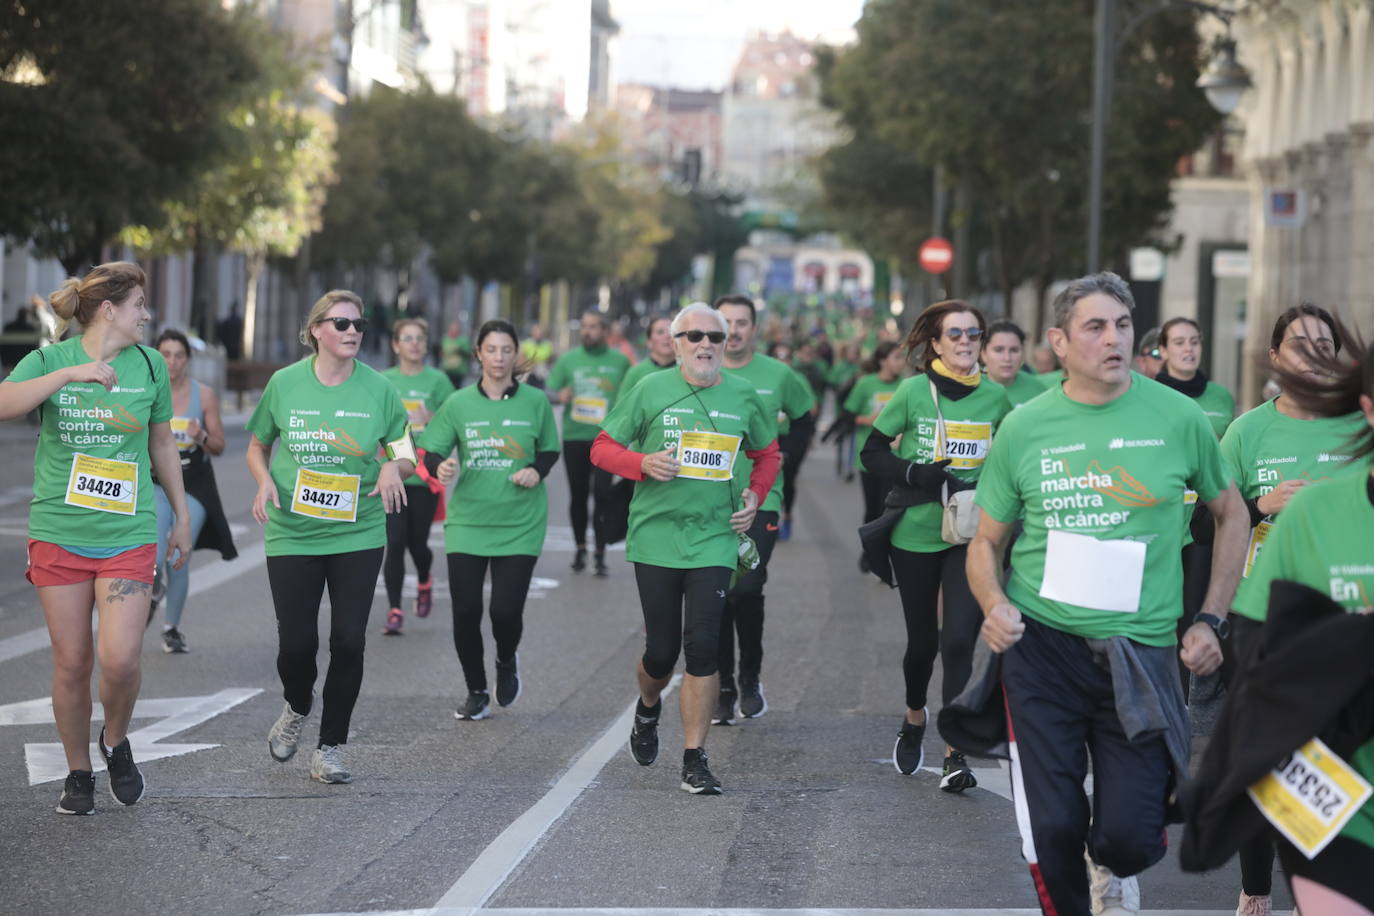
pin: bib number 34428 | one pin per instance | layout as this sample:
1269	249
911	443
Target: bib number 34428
103	484
332	497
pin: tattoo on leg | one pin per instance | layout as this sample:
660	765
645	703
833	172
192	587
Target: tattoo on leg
124	588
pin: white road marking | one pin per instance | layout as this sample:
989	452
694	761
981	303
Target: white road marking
733	911
490	870
212	576
48	762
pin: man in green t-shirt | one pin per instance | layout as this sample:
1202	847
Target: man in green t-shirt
660	354
1097	469
786	396
683	436
587	380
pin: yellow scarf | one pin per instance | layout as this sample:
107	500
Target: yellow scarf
938	366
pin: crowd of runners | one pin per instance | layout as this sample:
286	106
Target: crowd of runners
1078	546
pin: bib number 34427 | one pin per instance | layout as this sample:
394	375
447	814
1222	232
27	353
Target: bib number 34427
103	484
332	497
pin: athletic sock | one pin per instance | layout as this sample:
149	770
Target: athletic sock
691	754
648	712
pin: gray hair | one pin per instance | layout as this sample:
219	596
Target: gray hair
697	308
1104	282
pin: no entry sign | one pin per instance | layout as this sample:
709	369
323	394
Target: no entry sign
936	255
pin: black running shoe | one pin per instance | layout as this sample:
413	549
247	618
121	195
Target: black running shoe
173	642
476	706
725	707
579	562
507	682
78	793
752	702
600	561
907	753
697	777
644	739
957	776
126	782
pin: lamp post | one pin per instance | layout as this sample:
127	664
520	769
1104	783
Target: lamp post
1224	82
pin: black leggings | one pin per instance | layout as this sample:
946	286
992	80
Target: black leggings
919	578
1197	575
682	610
510	584
1257	853
409	529
297	584
791	467
875	489
743	611
583	476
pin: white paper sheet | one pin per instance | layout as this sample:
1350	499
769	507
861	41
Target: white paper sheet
1104	575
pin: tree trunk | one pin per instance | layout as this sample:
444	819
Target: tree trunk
202	287
256	261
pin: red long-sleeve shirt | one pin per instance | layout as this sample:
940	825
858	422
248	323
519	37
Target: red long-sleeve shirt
610	455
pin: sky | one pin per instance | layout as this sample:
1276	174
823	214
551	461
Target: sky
695	45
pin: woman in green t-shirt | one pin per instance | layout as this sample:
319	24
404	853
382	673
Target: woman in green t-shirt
506	442
105	406
322	524
1323	540
866	400
945	418
422	389
1004	359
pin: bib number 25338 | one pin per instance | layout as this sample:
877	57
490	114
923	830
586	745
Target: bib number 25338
332	497
103	484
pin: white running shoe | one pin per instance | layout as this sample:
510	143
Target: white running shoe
1111	896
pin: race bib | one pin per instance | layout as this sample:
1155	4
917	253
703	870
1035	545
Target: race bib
412	405
588	408
103	484
1310	796
707	456
881	399
1190	497
966	444
1103	575
1257	537
181	433
333	497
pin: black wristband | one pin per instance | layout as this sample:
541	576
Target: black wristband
1220	625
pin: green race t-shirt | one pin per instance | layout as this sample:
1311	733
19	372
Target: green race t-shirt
328	460
1101	490
92	477
1024	388
684	523
867	398
970	423
637	372
488	516
426	390
1219	406
1050	380
453	354
1323	540
595	377
1261	450
840	374
786	395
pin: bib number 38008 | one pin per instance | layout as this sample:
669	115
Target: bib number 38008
707	456
332	497
103	484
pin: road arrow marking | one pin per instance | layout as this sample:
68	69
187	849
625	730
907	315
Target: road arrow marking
48	762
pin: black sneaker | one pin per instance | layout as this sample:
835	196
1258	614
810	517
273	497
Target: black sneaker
644	739
78	793
579	562
507	682
752	702
476	706
173	642
601	569
126	782
907	753
725	707
697	777
957	776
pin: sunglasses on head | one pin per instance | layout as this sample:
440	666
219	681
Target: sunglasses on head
956	333
695	336
341	324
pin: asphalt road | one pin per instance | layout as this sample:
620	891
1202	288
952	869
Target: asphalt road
538	809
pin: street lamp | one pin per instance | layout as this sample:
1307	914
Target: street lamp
1224	82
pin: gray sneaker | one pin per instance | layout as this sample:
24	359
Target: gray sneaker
752	702
286	733
327	765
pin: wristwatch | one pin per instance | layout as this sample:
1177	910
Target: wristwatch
1220	625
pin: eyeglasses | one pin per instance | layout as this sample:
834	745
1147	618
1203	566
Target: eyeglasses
956	333
410	338
695	336
341	324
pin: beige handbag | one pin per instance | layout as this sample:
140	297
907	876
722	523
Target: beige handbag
959	522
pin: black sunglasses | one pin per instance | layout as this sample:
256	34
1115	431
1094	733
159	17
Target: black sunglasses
695	336
341	324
